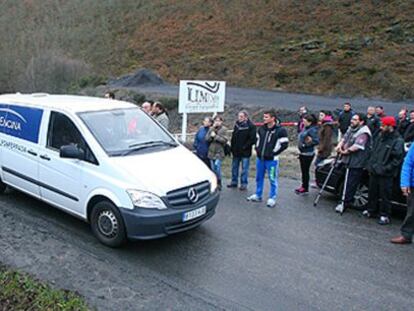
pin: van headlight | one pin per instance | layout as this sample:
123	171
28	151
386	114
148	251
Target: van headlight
213	184
145	199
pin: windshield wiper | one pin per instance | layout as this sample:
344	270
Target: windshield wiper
152	143
148	144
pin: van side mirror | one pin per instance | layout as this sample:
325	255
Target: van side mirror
71	152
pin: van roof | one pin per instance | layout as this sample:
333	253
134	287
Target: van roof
72	103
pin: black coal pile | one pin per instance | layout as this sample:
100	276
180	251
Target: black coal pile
142	77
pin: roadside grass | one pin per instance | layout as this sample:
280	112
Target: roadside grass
288	165
19	291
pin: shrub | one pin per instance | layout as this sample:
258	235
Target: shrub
51	72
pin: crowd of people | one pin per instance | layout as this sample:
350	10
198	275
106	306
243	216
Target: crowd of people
372	142
153	108
157	111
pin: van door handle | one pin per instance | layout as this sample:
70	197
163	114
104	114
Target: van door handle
45	157
32	152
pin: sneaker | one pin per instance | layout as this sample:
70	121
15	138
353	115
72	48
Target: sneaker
314	185
232	186
401	240
366	214
254	198
384	220
243	187
271	202
301	191
340	208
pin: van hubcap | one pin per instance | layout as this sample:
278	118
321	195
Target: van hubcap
107	224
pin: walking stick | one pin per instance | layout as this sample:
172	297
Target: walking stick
341	207
325	183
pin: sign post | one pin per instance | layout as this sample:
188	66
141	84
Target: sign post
200	97
184	128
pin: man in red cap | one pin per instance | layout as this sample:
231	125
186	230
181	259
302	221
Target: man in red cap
384	163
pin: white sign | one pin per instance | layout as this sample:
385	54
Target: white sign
201	96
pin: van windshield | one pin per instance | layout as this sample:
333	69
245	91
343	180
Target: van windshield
126	131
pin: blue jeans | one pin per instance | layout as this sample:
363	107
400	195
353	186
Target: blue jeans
216	167
272	168
245	163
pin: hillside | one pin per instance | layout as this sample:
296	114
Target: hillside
324	47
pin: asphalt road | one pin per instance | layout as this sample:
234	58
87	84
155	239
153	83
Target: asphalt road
284	100
247	257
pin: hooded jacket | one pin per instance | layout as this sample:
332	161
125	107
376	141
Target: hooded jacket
270	142
242	139
344	120
217	142
386	155
307	140
355	137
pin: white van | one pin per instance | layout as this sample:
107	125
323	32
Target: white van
105	161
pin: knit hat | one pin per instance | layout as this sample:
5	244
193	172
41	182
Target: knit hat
388	121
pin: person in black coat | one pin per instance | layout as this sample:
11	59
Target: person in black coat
384	164
373	121
307	141
409	132
344	119
271	140
402	122
242	140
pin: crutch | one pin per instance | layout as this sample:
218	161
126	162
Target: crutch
318	196
341	207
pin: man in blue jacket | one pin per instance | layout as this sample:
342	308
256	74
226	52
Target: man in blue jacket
272	139
201	144
407	188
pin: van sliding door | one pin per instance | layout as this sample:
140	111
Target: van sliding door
19	146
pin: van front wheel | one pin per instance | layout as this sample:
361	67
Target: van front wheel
3	187
107	224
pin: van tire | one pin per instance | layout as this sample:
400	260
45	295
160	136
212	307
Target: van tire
3	187
107	224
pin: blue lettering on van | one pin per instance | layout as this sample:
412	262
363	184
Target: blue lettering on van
21	122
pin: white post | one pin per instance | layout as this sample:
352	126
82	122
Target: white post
184	128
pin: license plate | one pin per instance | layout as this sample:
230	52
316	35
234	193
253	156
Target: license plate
194	214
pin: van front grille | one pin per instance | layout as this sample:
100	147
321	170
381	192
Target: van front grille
181	197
